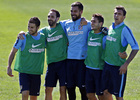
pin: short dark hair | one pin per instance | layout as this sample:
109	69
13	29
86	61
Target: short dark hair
99	17
79	4
35	20
57	12
121	8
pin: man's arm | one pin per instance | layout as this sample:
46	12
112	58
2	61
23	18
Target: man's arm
123	68
10	60
20	35
128	38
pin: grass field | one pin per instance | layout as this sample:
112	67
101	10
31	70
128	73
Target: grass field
14	16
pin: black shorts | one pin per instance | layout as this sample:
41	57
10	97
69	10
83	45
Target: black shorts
76	70
93	81
56	71
113	81
31	83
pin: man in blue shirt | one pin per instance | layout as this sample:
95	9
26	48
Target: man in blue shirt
76	54
115	69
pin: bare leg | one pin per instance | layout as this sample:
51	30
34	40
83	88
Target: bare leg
33	97
25	95
91	96
48	93
63	95
107	95
119	98
100	97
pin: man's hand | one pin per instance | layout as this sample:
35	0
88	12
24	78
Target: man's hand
123	55
20	35
123	68
83	21
104	30
9	71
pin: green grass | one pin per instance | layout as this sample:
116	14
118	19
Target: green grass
14	16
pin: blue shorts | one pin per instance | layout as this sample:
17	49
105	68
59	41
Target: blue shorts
76	70
30	82
113	81
93	81
56	71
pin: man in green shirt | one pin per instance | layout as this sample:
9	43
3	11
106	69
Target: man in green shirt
56	55
56	45
29	60
115	69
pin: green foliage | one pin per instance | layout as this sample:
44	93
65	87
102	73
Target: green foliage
14	16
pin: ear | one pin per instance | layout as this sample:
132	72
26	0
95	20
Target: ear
81	12
38	27
57	19
124	17
101	24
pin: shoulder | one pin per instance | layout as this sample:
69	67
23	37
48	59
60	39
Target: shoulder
126	30
88	23
69	22
40	33
44	28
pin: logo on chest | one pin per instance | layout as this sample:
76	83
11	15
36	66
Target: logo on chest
49	35
91	39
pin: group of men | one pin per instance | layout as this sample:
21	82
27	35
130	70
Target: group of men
77	54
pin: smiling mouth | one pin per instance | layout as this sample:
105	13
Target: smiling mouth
73	15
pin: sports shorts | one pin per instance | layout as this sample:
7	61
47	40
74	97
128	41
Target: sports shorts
113	81
76	70
30	82
93	81
56	71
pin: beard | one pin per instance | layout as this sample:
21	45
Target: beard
75	17
51	23
33	32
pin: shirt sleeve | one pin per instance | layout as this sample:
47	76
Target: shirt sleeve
89	25
128	38
20	43
63	22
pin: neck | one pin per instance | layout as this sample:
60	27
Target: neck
53	26
35	34
96	31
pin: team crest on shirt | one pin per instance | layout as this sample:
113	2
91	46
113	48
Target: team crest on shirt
80	27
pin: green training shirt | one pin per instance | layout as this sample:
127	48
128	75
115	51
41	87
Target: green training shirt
56	43
31	59
95	51
114	46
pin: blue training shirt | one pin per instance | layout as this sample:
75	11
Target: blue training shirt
127	37
77	37
21	43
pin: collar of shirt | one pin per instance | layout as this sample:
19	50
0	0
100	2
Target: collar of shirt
77	21
36	37
114	27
